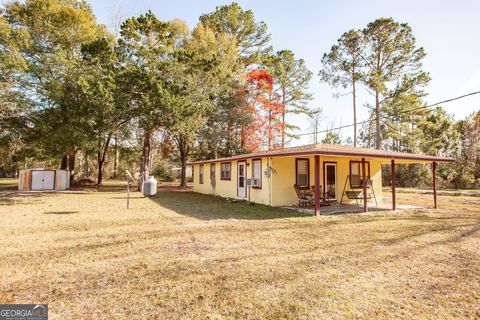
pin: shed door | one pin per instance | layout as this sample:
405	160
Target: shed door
37	180
43	180
48	180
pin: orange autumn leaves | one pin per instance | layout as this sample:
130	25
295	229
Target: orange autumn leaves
265	107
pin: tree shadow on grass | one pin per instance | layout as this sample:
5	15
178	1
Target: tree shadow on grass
60	212
208	207
15	195
13	202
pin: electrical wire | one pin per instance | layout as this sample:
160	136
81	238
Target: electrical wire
401	112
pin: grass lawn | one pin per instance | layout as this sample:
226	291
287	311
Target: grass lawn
8	184
185	255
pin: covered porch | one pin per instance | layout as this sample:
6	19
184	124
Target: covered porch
321	206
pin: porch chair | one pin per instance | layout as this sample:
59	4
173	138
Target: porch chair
325	199
305	198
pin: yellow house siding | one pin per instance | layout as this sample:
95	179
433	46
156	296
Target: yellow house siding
228	188
284	178
277	190
259	195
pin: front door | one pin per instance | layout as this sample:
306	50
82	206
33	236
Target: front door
241	181
330	183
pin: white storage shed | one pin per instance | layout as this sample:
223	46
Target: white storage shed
43	179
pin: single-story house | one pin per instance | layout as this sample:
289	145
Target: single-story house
272	177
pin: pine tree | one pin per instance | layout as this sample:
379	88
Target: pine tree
343	66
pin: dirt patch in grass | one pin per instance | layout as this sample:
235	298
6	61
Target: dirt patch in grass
185	255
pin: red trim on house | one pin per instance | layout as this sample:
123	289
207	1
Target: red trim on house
308	171
317	184
230	174
324	176
425	158
360	166
244	178
261	182
364	185
434	183
394	183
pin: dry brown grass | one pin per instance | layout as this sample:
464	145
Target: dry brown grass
184	255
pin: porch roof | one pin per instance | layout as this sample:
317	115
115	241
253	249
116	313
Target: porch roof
335	150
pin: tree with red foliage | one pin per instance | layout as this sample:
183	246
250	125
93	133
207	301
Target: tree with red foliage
265	108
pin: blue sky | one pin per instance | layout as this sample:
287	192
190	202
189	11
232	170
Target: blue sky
449	31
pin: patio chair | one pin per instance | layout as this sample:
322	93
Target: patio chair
305	198
325	199
330	194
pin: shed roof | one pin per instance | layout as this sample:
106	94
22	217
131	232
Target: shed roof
334	150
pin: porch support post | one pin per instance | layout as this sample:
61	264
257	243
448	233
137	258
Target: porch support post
364	183
317	184
434	183
394	182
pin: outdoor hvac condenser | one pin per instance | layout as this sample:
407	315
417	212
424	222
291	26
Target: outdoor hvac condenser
43	179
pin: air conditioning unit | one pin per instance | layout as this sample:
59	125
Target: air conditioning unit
255	182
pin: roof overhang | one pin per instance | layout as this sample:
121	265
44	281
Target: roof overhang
398	157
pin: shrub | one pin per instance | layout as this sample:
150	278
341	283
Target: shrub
161	174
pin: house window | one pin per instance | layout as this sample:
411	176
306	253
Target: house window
356	174
225	171
302	172
257	173
212	172
200	174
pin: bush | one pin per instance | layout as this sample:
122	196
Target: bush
167	178
161	174
158	172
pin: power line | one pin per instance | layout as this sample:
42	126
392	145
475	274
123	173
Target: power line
441	102
337	128
404	111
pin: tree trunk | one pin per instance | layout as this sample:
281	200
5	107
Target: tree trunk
270	134
86	172
283	117
64	163
377	122
184	149
115	159
145	160
354	110
183	178
229	135
71	165
242	138
101	156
